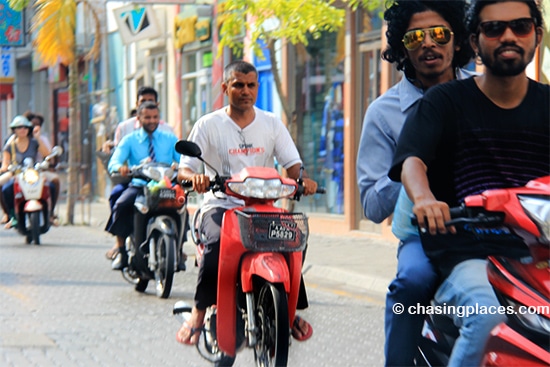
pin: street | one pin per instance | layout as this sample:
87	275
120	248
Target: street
63	306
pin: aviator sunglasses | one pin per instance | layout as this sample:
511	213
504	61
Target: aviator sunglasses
414	38
521	27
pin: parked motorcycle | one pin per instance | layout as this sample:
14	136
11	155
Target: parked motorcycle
160	217
259	270
521	285
32	197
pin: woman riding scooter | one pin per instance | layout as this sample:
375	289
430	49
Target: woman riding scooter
20	146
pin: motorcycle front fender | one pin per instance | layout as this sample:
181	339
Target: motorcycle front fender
270	266
163	224
33	206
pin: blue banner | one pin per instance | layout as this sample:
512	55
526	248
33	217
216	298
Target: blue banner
11	26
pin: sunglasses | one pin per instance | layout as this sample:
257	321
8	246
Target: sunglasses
521	27
414	38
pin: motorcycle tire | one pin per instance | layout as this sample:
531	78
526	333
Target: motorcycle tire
165	249
225	361
35	227
141	285
273	327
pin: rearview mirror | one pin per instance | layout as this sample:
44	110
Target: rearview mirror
188	148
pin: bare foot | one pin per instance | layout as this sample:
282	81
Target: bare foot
190	330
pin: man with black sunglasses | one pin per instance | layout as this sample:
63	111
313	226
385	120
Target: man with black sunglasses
465	137
427	40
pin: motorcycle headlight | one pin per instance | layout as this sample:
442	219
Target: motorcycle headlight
31	176
157	173
538	209
262	189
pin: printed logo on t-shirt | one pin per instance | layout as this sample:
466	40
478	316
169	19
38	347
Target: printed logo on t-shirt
246	149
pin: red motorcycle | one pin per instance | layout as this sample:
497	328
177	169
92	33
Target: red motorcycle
521	285
260	267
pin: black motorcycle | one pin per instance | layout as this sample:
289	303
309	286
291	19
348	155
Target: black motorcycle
160	224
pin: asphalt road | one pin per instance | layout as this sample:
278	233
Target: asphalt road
63	306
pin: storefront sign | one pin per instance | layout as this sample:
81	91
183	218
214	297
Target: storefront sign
193	24
136	23
11	26
7	65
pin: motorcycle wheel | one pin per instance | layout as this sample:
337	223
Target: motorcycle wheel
35	227
225	361
273	327
164	271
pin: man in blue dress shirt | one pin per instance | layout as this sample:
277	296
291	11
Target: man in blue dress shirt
133	149
427	40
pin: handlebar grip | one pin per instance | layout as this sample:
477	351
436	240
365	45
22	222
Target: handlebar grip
458	211
321	190
455	212
186	183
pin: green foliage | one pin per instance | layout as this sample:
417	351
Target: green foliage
369	5
18	5
271	20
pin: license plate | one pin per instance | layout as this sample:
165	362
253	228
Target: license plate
167	194
282	231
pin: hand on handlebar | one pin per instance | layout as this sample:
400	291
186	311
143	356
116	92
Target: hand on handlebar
310	186
124	171
201	183
432	215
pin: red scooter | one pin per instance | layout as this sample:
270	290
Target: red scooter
259	270
32	197
521	285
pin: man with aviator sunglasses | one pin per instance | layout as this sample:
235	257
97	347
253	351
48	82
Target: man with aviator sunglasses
427	40
472	135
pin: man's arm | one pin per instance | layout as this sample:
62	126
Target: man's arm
431	214
374	157
120	155
310	186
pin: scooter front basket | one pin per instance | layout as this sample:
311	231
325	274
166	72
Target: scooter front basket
273	232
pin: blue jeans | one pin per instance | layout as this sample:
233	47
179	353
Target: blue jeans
415	283
468	286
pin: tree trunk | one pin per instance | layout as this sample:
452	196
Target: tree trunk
74	141
277	79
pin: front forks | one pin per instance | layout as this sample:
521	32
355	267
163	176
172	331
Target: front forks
251	319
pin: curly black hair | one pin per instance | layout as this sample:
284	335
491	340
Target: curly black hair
477	5
398	15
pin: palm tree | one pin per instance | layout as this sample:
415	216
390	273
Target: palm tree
54	24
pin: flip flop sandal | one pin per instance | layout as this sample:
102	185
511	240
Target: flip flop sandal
297	330
193	332
111	254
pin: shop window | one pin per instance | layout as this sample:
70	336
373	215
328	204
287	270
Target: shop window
196	88
321	123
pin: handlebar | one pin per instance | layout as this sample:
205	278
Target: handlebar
218	184
470	215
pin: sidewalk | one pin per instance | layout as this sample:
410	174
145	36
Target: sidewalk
358	260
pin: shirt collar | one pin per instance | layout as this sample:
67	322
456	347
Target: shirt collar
408	94
143	135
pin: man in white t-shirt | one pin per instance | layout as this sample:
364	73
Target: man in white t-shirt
234	137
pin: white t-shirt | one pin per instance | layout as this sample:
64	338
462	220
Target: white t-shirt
229	149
